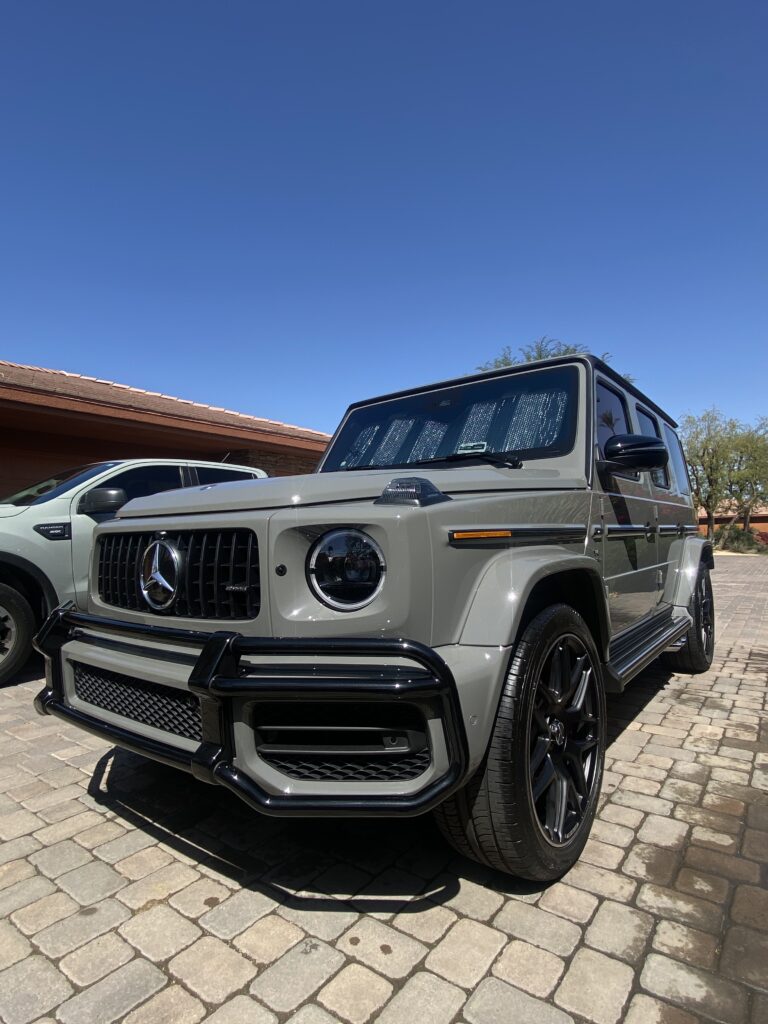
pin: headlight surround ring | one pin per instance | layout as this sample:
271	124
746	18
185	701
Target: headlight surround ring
346	569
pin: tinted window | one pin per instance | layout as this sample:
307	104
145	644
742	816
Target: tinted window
144	480
611	417
209	475
650	427
677	459
530	413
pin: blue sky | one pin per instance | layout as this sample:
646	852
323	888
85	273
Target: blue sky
285	207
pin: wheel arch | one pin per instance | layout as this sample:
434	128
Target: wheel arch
582	590
30	581
521	583
696	551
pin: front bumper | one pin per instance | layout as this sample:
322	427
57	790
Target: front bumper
376	671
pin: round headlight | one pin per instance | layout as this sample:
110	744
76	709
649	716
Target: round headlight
346	569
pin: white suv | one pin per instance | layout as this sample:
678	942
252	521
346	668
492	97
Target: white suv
46	536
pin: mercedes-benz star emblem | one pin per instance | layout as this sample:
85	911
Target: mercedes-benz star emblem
160	574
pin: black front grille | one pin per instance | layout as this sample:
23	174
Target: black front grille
325	768
165	708
219	572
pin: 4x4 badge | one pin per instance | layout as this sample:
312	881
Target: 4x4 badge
160	574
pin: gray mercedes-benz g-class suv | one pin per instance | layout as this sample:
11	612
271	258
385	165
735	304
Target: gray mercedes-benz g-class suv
429	621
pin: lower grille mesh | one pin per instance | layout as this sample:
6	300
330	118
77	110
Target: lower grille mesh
323	767
163	707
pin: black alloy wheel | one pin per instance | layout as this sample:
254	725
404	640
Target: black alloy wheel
530	805
564	737
706	617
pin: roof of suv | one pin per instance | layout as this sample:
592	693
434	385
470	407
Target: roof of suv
587	358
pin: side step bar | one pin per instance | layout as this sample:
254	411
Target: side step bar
630	654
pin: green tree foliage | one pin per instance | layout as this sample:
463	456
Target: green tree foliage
748	473
542	348
728	463
708	443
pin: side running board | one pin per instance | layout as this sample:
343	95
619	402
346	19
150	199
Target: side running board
631	652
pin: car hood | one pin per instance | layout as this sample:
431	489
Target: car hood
6	511
335	488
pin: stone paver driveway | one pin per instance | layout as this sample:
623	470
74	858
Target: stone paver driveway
131	892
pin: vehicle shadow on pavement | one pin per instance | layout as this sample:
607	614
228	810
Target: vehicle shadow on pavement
624	708
373	866
32	671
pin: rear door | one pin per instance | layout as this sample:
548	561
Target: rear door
681	520
628	518
671	507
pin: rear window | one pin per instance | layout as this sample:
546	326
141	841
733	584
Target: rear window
677	459
214	475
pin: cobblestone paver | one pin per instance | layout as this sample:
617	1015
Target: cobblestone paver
132	892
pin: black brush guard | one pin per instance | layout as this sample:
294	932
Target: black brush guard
217	678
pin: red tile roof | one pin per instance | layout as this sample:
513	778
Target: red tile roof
75	386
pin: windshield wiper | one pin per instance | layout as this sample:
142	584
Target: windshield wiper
506	460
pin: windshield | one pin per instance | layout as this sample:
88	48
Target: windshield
56	485
532	415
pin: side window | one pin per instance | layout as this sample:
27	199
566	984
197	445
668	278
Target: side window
677	458
650	427
144	480
211	475
611	416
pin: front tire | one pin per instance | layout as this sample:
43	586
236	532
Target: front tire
17	627
529	808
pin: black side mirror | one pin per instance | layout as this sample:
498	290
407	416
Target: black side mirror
635	452
102	500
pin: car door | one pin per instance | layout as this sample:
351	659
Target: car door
628	520
137	482
680	520
670	507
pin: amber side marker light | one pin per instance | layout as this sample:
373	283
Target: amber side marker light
480	534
